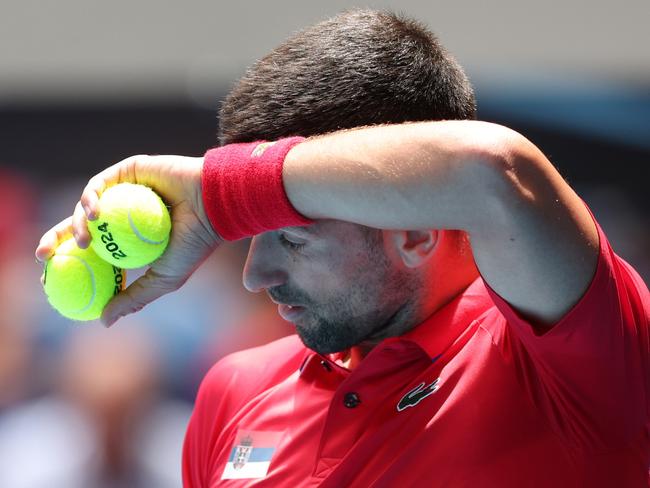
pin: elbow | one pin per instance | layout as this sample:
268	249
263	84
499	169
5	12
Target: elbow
513	167
499	148
508	171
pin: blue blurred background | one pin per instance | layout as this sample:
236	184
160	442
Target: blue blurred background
84	84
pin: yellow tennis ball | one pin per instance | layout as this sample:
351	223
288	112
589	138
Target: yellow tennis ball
79	284
133	226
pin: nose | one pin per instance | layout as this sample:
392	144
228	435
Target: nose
263	268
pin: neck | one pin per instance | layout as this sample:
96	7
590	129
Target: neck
354	356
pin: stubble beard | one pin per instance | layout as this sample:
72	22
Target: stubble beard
369	316
382	303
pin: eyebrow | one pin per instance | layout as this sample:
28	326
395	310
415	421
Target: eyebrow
306	231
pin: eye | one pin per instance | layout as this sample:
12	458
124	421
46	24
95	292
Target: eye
294	246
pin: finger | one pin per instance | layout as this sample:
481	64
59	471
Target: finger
80	227
52	238
136	296
118	173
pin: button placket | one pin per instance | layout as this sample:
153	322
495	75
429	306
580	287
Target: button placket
362	393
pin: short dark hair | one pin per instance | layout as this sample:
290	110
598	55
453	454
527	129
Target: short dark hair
361	67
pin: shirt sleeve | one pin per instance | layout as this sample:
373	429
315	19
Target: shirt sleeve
210	412
589	374
225	390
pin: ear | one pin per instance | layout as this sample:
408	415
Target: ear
415	247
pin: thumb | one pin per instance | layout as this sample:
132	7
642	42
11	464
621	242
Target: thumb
147	288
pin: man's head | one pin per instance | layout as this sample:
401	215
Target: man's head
350	283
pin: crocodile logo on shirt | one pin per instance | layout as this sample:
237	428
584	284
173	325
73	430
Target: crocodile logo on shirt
417	394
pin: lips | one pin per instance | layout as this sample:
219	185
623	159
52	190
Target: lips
289	312
280	302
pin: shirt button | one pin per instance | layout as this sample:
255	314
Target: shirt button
326	365
351	399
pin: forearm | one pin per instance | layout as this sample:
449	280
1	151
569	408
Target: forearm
408	176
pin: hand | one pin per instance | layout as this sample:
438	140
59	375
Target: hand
177	179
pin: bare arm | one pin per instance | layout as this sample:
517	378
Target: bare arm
532	237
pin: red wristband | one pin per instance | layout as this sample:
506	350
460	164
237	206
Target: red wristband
242	189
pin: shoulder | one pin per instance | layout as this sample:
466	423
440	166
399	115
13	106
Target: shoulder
231	383
240	375
261	360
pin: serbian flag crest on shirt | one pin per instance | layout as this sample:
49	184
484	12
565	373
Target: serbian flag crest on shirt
251	453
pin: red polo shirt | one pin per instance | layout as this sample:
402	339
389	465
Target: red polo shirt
471	397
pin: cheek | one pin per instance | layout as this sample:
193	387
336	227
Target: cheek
322	280
331	277
357	286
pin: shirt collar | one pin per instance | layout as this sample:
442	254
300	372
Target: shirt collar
435	334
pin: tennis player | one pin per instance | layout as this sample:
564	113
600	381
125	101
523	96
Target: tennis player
461	319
